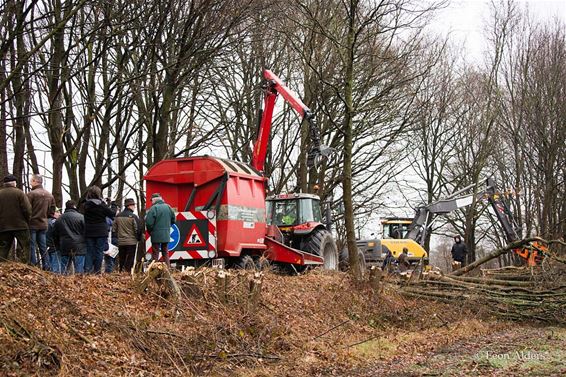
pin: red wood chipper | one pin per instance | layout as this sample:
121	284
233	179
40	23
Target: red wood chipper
220	205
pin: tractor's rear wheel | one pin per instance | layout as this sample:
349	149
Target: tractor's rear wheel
320	242
345	261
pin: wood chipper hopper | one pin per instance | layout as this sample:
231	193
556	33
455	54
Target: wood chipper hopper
220	213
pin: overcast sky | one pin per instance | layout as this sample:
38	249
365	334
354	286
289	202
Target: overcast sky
465	20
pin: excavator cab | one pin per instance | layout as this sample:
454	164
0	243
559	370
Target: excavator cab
396	227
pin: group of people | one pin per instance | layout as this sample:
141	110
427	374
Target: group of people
402	261
458	251
83	239
77	240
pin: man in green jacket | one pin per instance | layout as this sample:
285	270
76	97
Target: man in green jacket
158	221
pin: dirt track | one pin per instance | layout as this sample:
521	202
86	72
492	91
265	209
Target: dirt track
515	351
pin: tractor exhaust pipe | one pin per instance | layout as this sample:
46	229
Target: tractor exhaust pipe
328	216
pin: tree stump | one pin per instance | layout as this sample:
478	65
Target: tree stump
159	273
255	284
222	285
375	275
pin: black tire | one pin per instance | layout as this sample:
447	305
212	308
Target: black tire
263	264
345	262
320	242
245	262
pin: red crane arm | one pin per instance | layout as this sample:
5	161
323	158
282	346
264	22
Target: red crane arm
289	95
274	87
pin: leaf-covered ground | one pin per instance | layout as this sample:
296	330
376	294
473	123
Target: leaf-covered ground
314	324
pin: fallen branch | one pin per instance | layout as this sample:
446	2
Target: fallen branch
237	355
505	283
495	254
331	329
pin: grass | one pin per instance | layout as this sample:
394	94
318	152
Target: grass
375	349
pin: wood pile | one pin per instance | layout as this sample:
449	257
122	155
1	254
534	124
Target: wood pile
516	293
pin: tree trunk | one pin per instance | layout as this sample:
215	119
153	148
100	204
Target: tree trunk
18	52
55	118
162	135
302	175
3	126
121	158
348	147
32	158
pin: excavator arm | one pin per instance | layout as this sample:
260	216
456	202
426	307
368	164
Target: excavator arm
532	252
424	217
272	88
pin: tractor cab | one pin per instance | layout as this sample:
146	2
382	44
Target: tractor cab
294	212
395	227
298	223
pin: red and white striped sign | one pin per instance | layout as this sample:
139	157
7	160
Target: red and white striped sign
194	228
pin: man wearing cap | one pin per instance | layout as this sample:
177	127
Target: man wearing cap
15	215
158	221
128	228
41	203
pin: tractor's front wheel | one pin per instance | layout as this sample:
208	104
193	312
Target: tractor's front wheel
320	242
245	262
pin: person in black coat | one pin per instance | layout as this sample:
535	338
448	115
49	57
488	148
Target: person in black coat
459	251
52	247
96	228
68	234
388	260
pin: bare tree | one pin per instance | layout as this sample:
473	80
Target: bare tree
374	80
440	110
533	119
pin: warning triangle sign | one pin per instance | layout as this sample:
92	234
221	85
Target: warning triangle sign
194	238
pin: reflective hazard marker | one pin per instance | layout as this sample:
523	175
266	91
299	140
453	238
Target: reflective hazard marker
194	238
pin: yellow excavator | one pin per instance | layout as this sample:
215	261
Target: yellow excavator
395	230
393	239
402	232
411	233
